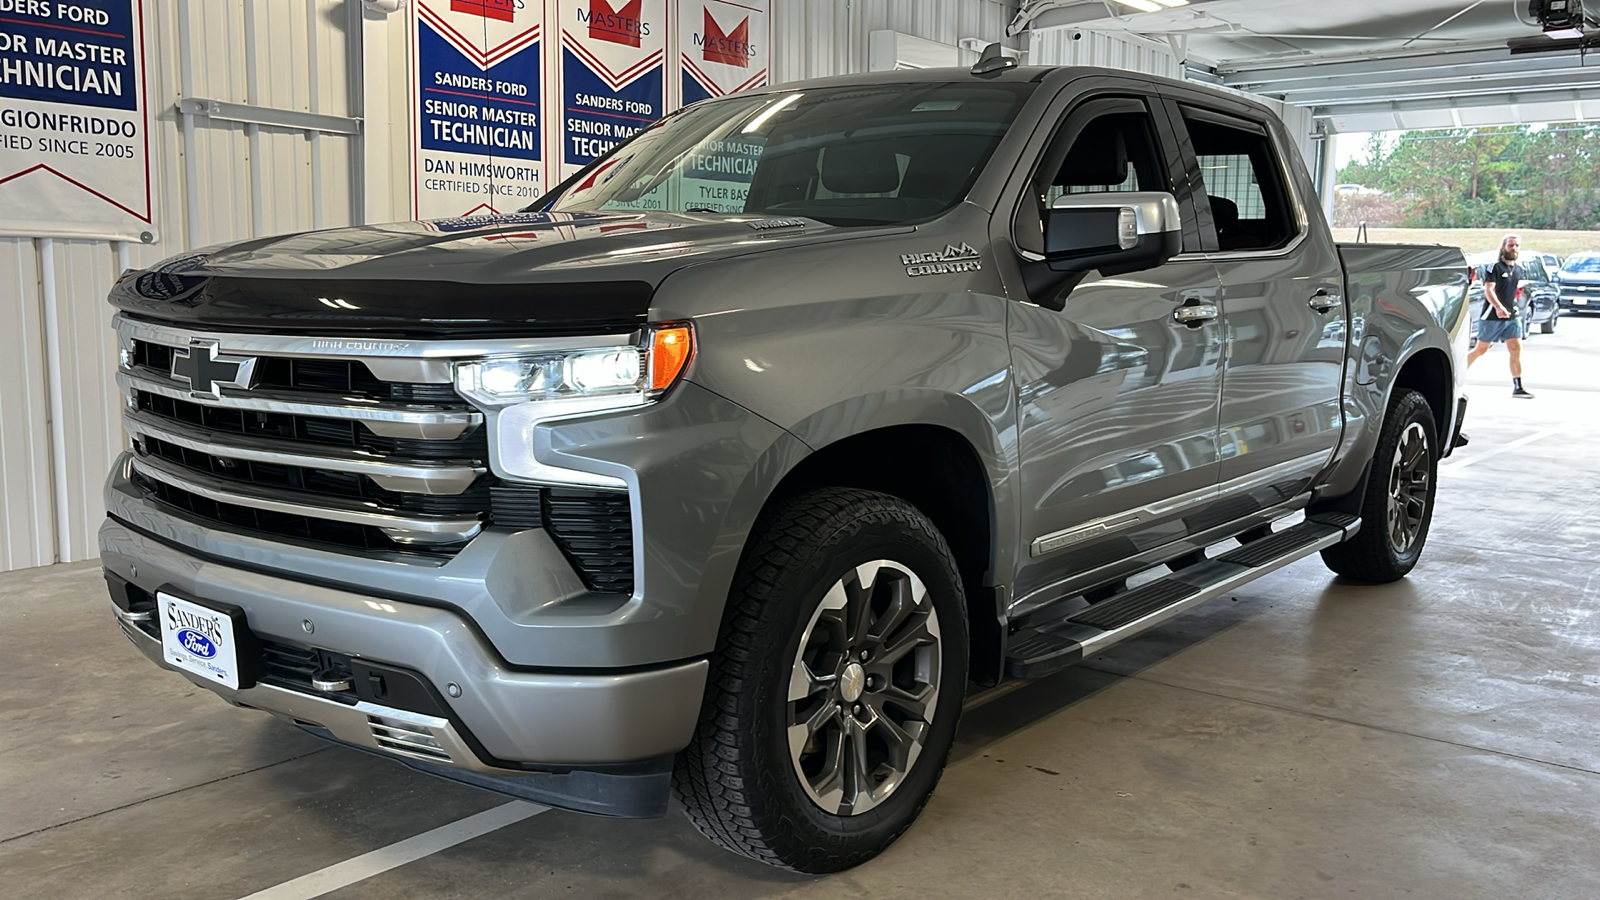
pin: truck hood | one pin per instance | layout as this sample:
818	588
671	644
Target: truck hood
521	273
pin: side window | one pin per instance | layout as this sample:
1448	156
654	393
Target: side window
1111	151
1249	199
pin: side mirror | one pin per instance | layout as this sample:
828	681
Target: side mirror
1113	232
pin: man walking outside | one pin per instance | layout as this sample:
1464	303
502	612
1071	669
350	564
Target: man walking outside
1500	322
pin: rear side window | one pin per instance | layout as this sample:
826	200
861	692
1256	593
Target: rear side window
1249	199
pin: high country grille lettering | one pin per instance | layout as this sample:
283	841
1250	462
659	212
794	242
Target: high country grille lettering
361	346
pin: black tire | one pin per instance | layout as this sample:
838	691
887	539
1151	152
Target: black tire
1548	326
1398	505
742	781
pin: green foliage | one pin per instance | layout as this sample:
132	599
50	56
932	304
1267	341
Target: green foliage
1511	177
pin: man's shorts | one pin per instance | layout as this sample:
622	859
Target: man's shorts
1492	331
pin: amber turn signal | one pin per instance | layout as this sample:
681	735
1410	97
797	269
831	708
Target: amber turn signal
671	348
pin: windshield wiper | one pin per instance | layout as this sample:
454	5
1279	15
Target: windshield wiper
700	209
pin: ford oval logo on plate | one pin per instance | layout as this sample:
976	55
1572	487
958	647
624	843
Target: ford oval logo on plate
197	643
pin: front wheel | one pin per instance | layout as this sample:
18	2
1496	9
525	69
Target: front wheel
835	687
1398	505
1548	326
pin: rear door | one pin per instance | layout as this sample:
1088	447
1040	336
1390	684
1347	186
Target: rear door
1283	312
1117	401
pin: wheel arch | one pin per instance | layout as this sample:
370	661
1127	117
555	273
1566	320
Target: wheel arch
1428	372
936	469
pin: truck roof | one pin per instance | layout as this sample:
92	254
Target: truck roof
1046	75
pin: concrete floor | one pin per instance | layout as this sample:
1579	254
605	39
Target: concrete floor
1305	738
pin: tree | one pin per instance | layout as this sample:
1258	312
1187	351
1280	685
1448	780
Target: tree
1510	176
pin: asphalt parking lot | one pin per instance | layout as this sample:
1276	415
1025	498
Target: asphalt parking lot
1305	738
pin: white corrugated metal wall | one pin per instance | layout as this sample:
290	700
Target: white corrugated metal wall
813	38
215	181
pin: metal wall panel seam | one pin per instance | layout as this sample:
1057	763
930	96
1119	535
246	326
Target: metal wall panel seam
313	104
26	530
252	131
53	392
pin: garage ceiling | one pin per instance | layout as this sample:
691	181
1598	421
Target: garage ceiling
1365	65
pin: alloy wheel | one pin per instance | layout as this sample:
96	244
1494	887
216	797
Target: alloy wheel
864	687
1409	482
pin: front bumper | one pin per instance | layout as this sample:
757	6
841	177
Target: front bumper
522	720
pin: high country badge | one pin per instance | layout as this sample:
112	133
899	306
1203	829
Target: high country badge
949	261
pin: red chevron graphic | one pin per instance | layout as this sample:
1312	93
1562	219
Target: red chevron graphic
710	84
730	49
615	80
503	10
616	26
75	183
483	58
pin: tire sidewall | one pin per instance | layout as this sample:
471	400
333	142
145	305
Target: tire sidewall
853	542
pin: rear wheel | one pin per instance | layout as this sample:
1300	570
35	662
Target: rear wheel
835	688
1398	505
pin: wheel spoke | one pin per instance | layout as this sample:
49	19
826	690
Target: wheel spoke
858	778
904	743
803	682
830	784
913	703
908	639
1414	455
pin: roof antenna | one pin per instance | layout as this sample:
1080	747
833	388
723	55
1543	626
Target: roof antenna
993	60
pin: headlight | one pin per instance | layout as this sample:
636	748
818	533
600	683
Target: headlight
623	376
616	372
519	392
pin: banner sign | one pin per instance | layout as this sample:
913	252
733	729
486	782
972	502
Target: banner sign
477	140
723	47
74	124
613	74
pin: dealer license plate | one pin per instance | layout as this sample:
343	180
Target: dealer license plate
199	639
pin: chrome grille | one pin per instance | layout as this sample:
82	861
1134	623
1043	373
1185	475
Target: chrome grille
317	449
367	454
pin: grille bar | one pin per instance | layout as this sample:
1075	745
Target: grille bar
401	529
386	419
406	476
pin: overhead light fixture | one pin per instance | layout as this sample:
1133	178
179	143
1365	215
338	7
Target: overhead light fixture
1153	5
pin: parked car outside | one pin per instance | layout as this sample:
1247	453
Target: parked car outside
1580	283
1536	292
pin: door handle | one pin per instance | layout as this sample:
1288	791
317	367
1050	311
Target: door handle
1195	314
1322	301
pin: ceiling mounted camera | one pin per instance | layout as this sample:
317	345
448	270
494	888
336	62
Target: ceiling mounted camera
1558	18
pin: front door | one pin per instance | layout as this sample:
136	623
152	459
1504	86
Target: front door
1117	399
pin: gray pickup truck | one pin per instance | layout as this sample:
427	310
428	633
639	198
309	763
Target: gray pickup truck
732	468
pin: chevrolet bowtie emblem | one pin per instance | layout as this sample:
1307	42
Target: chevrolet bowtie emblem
206	370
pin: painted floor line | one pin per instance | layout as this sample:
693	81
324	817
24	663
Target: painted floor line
1453	466
362	867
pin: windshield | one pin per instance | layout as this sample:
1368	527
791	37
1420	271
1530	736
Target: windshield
873	155
1582	264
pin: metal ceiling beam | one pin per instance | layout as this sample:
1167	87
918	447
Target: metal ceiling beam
1434	69
1516	83
1562	95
